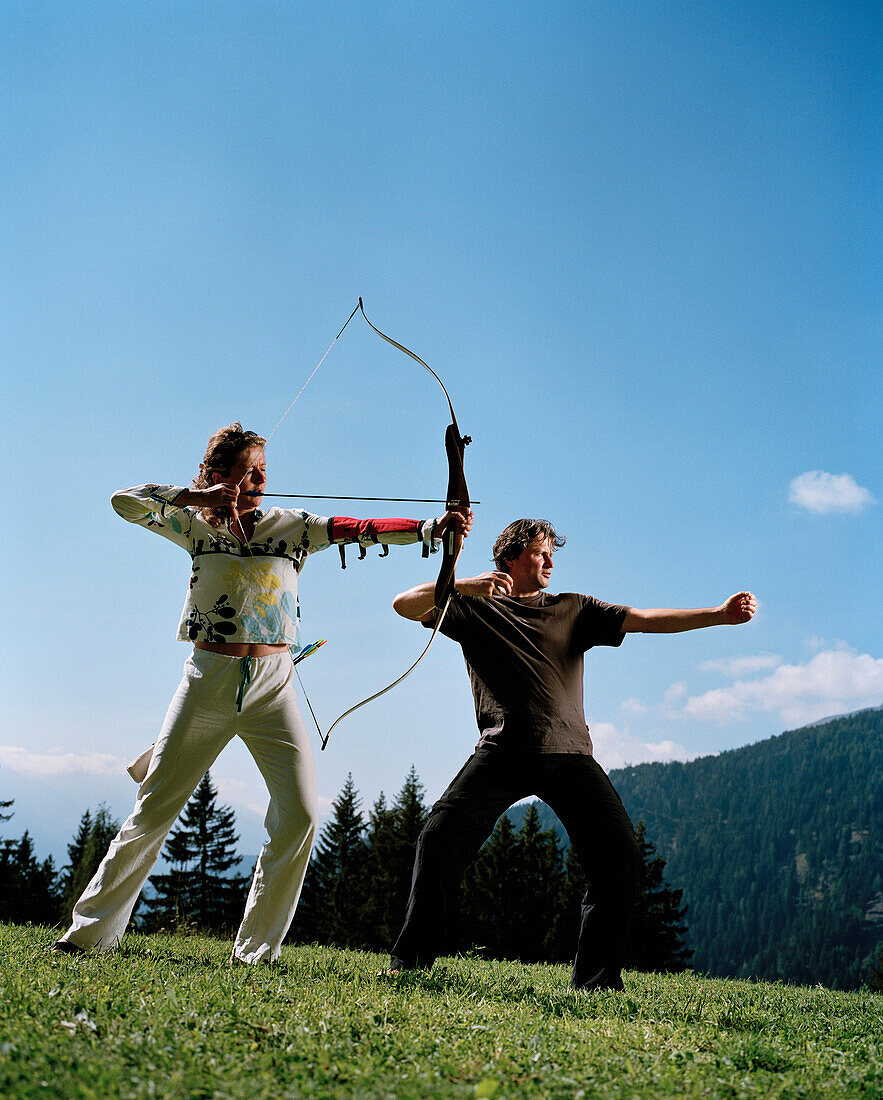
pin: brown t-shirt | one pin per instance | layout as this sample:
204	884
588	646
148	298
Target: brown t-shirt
525	662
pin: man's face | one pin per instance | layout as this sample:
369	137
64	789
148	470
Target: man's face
531	571
250	474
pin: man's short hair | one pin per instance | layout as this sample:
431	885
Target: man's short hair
519	535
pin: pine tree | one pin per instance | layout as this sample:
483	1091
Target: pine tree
84	854
27	886
331	903
541	881
568	912
380	875
658	932
66	875
392	842
199	891
875	975
512	891
213	841
78	845
489	895
5	806
171	905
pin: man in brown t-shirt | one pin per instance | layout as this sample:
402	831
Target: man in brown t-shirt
524	652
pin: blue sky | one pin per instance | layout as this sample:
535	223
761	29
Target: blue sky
638	241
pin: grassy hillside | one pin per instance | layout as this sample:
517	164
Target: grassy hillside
166	1017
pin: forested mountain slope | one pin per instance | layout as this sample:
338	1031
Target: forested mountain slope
778	847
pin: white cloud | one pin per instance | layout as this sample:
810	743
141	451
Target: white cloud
739	666
633	706
41	765
614	748
832	682
821	493
675	692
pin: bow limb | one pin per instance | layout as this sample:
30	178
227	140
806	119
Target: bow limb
414	356
457	499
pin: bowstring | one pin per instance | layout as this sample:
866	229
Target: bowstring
319	364
357	706
269	437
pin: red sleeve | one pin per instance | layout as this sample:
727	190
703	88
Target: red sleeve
344	528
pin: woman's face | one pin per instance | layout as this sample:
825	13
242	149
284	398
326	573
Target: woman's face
249	472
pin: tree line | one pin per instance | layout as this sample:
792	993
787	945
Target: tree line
520	899
31	890
198	891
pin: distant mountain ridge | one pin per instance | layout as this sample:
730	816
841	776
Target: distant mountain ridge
778	847
836	717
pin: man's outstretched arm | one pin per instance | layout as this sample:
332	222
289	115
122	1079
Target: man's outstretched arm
737	609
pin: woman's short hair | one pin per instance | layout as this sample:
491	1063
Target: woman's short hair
223	449
516	538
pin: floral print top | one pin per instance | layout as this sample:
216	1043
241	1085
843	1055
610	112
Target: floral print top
247	592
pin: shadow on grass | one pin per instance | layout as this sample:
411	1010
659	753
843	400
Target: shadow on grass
492	983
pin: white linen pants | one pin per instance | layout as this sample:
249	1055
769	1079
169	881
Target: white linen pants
202	717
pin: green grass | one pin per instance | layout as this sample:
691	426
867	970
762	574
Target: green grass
167	1017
